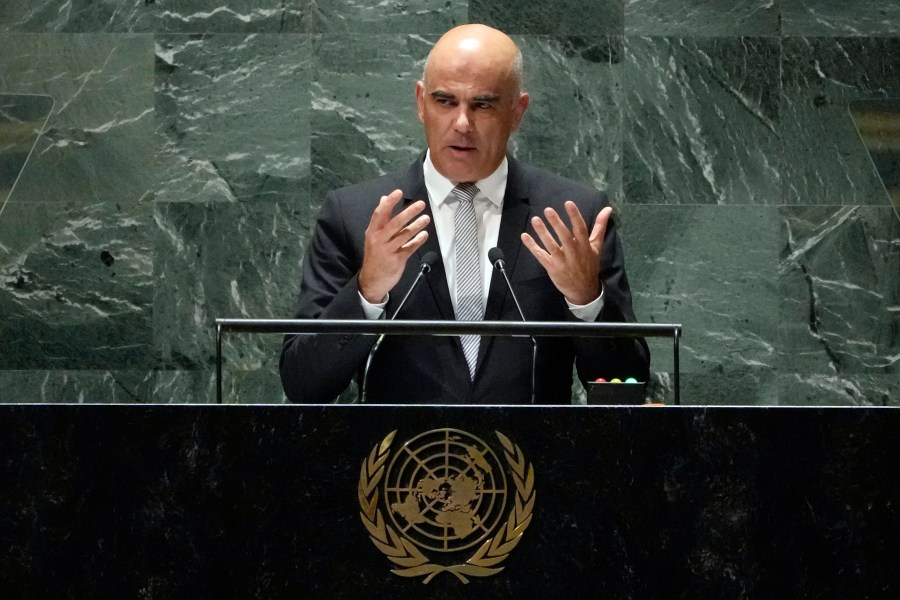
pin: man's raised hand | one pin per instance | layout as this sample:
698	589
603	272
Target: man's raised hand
390	241
572	257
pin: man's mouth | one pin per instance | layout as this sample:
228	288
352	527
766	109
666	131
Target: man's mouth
462	148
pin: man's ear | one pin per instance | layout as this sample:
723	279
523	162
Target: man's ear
520	108
420	100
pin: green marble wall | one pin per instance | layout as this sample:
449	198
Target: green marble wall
190	143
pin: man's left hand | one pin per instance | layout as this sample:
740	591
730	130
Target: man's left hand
572	257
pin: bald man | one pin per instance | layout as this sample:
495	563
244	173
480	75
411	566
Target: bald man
560	246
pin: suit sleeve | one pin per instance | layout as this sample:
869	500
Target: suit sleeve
612	357
315	369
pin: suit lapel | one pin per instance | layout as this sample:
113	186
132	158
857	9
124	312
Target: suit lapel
513	221
437	279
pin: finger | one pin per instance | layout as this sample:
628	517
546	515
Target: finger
539	253
381	216
599	230
406	215
395	196
563	233
579	227
411	229
547	239
412	245
403	224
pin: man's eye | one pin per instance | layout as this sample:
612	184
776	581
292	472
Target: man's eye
483	105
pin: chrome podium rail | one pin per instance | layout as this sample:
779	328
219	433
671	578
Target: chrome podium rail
447	328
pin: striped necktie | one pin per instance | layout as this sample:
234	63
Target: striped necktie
469	304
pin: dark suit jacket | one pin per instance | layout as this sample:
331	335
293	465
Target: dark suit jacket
316	369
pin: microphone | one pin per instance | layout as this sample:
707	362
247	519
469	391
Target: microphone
495	255
427	262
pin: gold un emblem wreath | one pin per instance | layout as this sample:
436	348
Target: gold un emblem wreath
444	494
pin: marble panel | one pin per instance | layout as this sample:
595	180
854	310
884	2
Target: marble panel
97	145
840	17
878	123
773	387
714	270
79	387
559	17
743	385
366	17
22	119
33	16
363	116
840	291
215	260
573	125
703	17
176	16
198	386
232	114
795	389
77	285
824	160
701	121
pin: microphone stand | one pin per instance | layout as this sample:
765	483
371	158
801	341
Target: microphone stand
495	255
427	261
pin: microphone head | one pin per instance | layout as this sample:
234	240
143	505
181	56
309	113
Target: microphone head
495	255
428	261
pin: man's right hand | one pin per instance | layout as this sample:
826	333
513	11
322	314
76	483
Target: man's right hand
390	241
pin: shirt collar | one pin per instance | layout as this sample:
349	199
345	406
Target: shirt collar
492	187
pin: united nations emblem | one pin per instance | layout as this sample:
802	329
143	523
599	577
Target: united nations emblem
445	493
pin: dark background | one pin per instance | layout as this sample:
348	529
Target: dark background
261	502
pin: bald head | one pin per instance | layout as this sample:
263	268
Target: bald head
487	46
470	101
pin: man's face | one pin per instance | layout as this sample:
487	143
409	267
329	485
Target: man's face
469	108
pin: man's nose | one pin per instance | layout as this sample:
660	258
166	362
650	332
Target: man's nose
463	122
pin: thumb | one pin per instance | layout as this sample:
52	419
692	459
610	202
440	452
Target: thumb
598	232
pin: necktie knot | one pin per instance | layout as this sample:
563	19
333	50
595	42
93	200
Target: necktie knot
465	192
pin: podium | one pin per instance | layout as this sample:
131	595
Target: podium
174	501
533	329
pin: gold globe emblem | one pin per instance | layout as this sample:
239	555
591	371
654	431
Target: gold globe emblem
446	491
